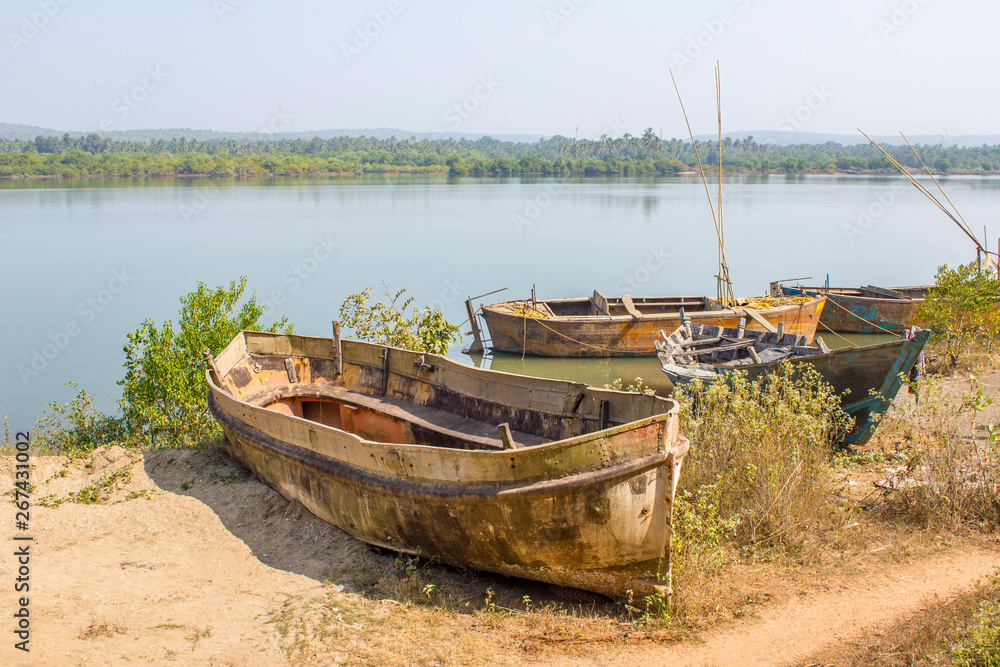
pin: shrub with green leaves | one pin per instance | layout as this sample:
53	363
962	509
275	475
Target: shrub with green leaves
164	401
77	428
387	323
962	309
980	647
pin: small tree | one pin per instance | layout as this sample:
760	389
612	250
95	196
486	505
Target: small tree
165	395
387	324
962	308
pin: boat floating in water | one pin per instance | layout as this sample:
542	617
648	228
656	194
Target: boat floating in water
627	326
867	309
543	479
867	378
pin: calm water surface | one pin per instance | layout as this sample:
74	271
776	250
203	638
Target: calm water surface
84	262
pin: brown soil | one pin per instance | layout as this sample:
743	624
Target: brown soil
182	556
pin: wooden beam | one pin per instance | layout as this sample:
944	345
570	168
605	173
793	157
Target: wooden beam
338	355
506	437
477	336
630	307
600	304
722	348
759	319
385	371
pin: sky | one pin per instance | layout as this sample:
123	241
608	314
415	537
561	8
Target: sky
571	67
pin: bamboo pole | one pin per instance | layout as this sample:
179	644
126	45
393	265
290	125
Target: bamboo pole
704	179
927	193
940	189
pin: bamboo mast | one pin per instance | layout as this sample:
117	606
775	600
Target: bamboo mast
725	296
724	284
927	193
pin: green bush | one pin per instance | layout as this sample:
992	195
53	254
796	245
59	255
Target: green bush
980	647
164	402
962	309
387	324
77	428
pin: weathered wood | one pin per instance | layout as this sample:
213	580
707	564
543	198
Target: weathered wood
425	469
600	304
740	345
854	372
854	310
477	336
573	330
338	358
630	307
505	436
385	372
759	319
605	415
210	363
700	342
881	292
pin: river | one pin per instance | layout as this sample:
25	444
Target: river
85	261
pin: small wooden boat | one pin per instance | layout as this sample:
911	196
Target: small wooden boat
627	326
528	477
696	351
867	309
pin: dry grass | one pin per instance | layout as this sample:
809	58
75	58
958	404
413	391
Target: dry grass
948	447
757	487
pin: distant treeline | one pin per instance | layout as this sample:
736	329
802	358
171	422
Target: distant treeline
94	155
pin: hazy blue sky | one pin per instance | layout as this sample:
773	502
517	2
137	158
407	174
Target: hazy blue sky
546	67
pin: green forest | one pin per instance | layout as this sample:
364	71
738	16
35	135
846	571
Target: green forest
93	155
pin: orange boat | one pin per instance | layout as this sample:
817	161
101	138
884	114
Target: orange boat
627	326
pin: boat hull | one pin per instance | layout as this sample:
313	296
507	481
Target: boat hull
623	335
867	378
850	312
589	511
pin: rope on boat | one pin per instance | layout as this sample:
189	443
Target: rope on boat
578	342
849	342
891	333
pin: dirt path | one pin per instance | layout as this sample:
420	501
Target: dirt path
787	634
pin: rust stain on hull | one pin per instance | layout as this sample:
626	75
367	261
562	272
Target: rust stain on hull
570	504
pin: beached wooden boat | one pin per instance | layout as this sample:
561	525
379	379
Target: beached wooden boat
543	479
866	309
868	377
627	326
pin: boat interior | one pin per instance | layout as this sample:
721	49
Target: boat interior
382	419
730	346
868	291
624	306
391	395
